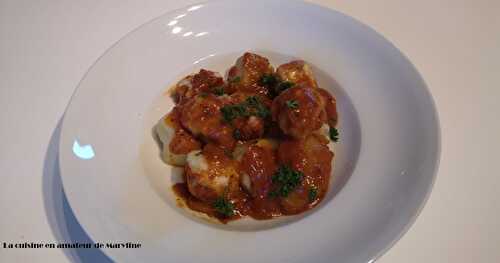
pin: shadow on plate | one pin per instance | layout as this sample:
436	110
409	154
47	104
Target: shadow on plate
61	218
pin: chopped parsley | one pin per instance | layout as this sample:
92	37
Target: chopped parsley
256	107
219	91
224	207
292	104
252	101
274	85
252	106
231	112
286	180
235	80
334	134
268	80
313	193
284	86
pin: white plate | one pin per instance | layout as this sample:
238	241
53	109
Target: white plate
385	163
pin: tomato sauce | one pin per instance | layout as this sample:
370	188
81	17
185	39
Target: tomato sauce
261	162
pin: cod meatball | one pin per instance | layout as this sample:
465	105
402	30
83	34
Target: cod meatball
257	108
211	174
202	116
248	70
204	81
330	107
312	157
257	164
298	72
299	111
176	142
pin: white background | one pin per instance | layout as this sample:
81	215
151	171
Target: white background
47	46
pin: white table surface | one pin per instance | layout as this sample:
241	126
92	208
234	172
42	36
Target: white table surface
46	47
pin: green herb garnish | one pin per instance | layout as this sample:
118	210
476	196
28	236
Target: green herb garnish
274	85
219	91
280	87
252	106
235	80
284	86
252	101
313	193
286	180
268	80
231	112
334	134
224	207
292	104
256	107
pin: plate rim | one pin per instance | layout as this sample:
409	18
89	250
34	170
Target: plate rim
425	87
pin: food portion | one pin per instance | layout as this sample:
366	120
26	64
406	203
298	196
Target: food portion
248	70
211	173
298	72
257	143
299	111
176	141
201	115
203	82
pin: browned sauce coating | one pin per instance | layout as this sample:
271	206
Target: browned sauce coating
219	180
299	111
253	141
201	116
192	85
297	72
183	142
312	157
330	107
248	69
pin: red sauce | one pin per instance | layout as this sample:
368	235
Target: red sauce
248	69
201	116
312	157
330	107
259	164
181	190
217	155
299	111
183	142
247	182
219	179
193	85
